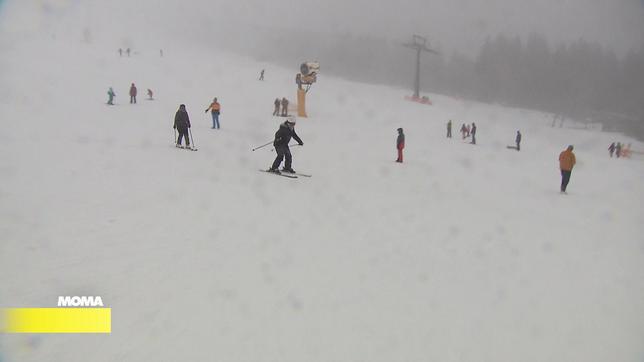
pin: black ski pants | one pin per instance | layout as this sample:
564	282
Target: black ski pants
183	132
565	178
282	152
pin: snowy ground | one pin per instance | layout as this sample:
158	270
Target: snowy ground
462	253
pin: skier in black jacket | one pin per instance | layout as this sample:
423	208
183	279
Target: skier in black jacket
400	145
282	138
181	124
473	133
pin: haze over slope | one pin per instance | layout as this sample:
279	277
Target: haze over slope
462	253
460	26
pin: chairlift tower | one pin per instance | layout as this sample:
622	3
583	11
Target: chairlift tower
419	44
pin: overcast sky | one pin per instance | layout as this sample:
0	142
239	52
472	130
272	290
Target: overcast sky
460	24
450	24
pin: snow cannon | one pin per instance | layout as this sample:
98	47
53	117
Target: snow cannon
308	73
304	79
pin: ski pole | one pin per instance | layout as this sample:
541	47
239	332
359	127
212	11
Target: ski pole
264	145
194	145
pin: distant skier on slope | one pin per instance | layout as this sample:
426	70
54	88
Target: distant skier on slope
133	94
473	133
517	140
182	124
566	163
284	107
282	138
276	111
611	149
150	94
261	75
626	151
215	109
111	95
449	129
464	131
618	150
400	145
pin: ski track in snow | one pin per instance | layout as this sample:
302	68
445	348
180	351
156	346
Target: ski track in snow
462	253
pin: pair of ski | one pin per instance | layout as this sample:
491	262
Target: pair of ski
187	148
289	175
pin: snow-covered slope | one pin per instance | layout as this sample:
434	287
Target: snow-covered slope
462	253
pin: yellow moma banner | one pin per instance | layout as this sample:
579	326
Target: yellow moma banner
56	320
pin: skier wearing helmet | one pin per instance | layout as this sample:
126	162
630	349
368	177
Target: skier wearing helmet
282	138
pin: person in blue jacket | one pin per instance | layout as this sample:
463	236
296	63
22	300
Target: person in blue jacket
111	95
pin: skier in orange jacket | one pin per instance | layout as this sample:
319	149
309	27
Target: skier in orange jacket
566	163
215	109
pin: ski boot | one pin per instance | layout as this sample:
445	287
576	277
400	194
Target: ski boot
288	170
274	170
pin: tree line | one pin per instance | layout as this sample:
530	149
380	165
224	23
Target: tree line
582	79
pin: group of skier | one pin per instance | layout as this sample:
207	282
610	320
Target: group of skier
133	92
466	131
286	132
619	150
128	52
567	158
281	141
284	104
470	131
182	121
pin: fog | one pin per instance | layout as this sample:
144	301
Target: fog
451	25
491	51
467	251
459	25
